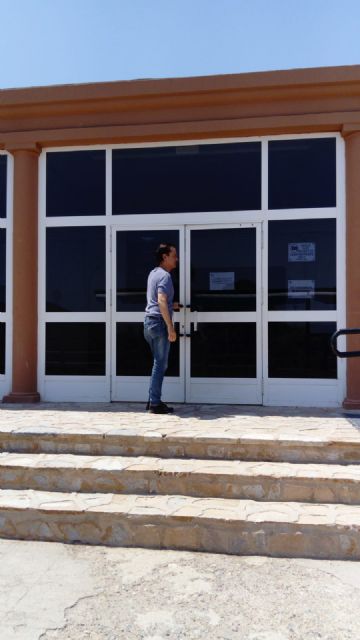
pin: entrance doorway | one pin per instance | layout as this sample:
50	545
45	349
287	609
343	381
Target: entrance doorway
218	355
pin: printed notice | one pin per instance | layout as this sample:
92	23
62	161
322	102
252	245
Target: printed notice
301	288
301	252
222	280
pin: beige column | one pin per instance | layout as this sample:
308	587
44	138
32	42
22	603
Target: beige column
25	253
352	142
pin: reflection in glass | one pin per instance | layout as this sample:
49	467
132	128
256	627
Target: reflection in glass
2	347
301	350
75	269
75	348
208	177
133	355
75	183
134	260
223	269
3	171
302	264
302	173
223	350
2	270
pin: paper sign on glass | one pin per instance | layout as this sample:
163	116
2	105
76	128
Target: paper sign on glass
301	252
301	288
222	280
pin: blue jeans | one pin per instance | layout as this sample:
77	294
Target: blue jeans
156	335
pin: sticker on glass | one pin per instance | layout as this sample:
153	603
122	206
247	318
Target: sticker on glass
301	288
301	252
222	280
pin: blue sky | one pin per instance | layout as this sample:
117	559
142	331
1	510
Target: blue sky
44	42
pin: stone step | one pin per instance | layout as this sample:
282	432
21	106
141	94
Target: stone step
340	447
288	529
263	481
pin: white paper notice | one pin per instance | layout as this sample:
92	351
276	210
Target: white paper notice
301	288
301	252
222	280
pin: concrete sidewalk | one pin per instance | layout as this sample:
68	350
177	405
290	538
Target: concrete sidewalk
65	592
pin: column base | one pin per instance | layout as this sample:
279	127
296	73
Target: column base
351	404
17	397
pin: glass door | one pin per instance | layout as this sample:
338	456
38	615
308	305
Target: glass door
223	314
132	260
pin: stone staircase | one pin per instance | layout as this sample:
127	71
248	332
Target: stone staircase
278	485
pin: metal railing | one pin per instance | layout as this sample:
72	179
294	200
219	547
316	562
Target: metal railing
344	354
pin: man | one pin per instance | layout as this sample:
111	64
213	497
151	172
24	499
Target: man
159	329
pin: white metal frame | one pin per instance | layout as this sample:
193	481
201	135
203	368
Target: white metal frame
276	391
7	317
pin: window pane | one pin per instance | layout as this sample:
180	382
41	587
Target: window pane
75	183
75	349
3	270
223	350
302	264
134	260
133	355
3	170
223	270
302	173
301	350
75	269
2	347
220	177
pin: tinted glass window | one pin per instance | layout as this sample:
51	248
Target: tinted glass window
223	270
75	349
133	355
3	270
3	170
134	260
188	178
302	264
75	269
302	173
75	183
2	347
301	350
223	350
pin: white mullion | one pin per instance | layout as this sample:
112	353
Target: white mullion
108	184
77	221
302	316
75	316
341	257
302	214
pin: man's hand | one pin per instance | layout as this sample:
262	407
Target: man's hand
171	334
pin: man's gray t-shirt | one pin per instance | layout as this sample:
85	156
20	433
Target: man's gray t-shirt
159	281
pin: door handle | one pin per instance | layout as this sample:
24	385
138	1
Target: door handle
185	335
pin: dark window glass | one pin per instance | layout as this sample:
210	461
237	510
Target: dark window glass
302	264
75	183
223	270
75	269
302	173
75	348
215	177
223	350
2	347
3	170
134	260
301	350
133	355
3	270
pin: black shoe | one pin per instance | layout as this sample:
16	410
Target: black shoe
161	408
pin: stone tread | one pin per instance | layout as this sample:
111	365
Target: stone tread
215	468
182	507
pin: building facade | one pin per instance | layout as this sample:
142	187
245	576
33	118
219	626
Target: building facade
253	177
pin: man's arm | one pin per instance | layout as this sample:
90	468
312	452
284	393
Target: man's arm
162	302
